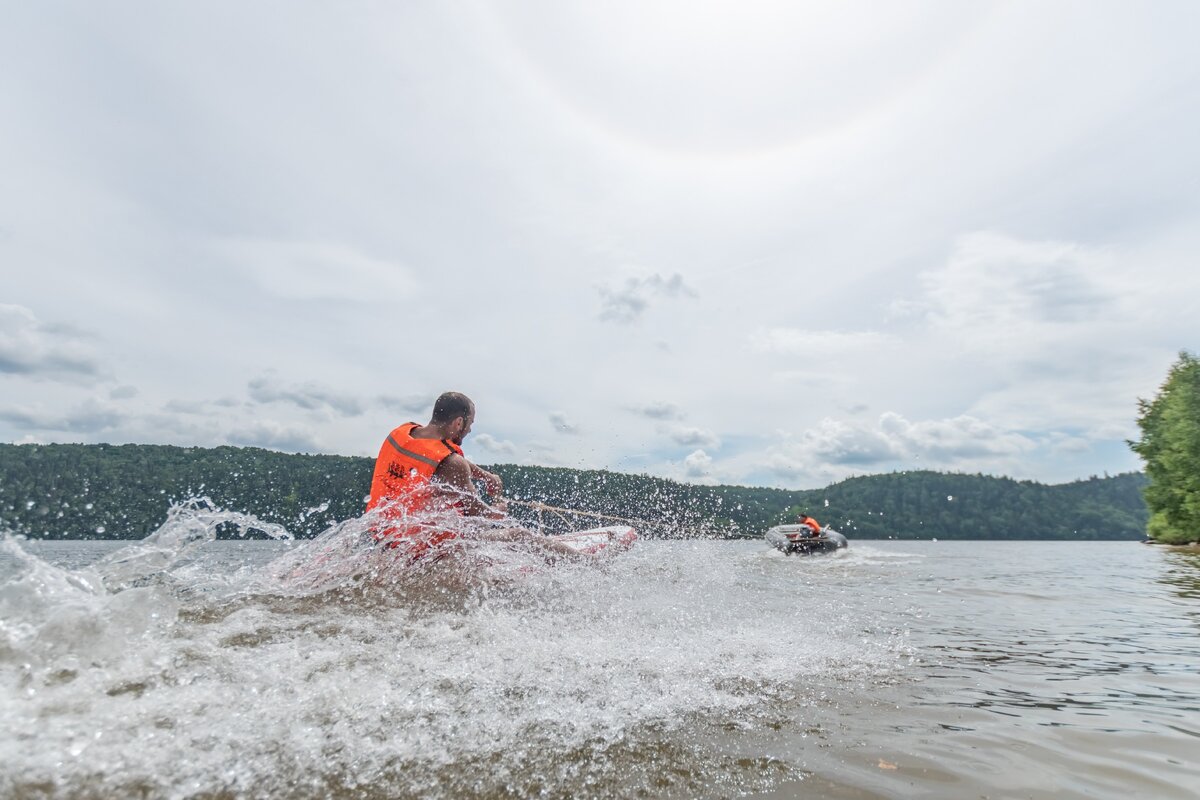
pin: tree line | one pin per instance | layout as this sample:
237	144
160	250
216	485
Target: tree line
1170	446
71	491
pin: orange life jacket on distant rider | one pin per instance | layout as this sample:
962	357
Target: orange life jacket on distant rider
812	523
401	481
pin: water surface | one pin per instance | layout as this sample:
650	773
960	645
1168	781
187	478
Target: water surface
681	669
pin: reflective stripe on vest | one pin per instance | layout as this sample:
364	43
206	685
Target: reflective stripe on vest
411	454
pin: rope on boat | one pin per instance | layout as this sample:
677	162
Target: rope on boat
559	512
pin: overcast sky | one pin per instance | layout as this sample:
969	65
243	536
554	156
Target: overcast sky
761	243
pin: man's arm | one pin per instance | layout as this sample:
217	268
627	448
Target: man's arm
495	486
455	471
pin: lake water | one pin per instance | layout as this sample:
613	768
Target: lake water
186	668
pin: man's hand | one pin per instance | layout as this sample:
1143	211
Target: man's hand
491	481
498	510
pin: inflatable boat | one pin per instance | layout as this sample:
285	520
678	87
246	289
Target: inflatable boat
799	539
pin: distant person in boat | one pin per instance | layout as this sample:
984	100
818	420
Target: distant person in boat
805	519
421	470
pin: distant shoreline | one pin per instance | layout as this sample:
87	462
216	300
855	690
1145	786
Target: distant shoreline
127	491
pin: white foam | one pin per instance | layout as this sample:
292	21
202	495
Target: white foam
341	664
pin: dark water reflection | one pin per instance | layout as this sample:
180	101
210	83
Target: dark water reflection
1183	574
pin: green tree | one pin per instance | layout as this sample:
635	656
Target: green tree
1170	446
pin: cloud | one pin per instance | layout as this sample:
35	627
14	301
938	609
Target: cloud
627	302
836	448
952	440
409	403
91	416
1042	335
658	410
765	226
563	425
693	437
125	392
1065	443
996	285
192	407
698	464
309	396
319	271
793	341
893	438
848	443
53	352
493	445
276	436
696	467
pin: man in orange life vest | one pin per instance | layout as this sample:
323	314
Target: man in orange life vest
421	470
805	519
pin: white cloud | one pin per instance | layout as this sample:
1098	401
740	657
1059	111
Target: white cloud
320	271
274	435
851	444
31	348
493	445
689	436
997	285
1007	183
309	396
419	404
794	341
1063	443
1048	334
190	407
836	448
628	301
954	440
92	416
658	410
562	424
697	464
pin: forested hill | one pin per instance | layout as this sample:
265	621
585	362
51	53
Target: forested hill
124	491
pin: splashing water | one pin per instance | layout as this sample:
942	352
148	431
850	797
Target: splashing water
170	668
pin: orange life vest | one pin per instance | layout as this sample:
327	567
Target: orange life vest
812	523
400	483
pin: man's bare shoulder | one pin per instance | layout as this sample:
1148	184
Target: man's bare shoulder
454	467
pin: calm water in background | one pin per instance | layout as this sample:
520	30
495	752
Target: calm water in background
681	669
